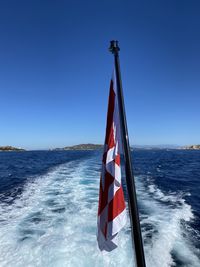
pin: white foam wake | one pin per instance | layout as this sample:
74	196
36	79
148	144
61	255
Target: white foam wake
53	223
164	222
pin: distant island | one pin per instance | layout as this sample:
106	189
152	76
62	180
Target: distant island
145	147
10	148
192	147
90	146
82	147
154	147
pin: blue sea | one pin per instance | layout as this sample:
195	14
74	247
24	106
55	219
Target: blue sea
48	209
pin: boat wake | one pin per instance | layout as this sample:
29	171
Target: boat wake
53	223
166	230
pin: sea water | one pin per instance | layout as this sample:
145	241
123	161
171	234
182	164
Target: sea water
49	201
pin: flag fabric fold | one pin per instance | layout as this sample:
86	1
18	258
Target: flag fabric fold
111	210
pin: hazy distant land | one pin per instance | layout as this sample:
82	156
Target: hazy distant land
192	147
10	148
188	147
99	147
146	147
82	147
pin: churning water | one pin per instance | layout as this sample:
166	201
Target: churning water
48	209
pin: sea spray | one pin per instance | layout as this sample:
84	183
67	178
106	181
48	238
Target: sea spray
53	222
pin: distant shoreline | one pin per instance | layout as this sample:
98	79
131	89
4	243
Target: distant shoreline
192	147
10	148
89	146
81	147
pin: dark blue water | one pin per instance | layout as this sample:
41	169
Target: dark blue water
175	171
16	168
44	194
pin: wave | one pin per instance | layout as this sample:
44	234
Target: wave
53	223
165	227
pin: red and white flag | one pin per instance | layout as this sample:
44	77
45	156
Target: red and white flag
112	210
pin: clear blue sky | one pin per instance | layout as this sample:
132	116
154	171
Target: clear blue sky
55	70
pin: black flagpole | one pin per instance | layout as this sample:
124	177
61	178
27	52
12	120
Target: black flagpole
133	208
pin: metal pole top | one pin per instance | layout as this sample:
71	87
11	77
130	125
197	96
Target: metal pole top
114	48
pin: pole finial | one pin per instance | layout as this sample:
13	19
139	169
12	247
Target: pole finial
114	48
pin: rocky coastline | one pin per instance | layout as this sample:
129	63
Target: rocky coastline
82	147
192	147
10	148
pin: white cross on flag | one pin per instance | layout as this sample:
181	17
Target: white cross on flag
112	210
